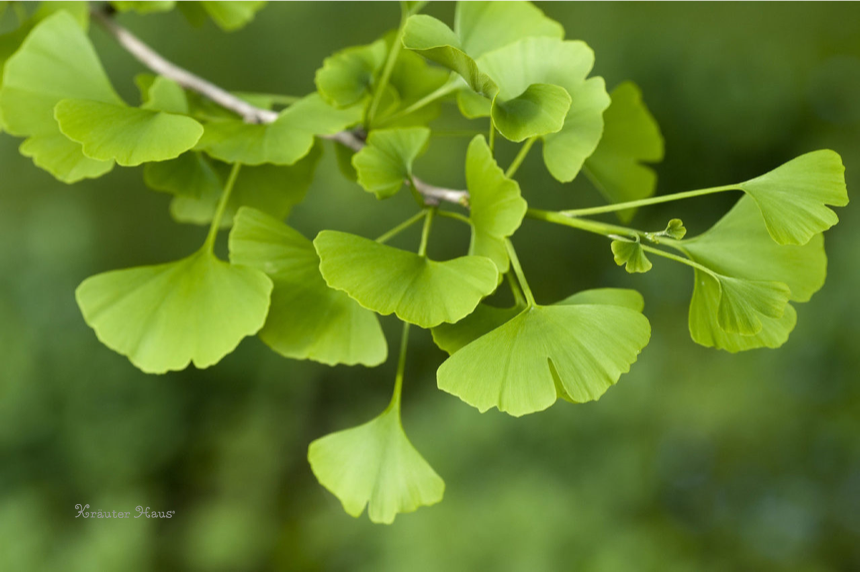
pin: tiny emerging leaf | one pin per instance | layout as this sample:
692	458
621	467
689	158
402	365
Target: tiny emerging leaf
630	254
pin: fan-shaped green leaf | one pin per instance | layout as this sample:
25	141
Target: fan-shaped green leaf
437	42
164	94
574	352
413	79
631	136
307	319
705	329
630	254
387	159
143	7
793	198
164	317
560	63
388	280
539	110
227	14
190	175
485	318
675	229
486	26
375	465
127	135
56	61
744	302
273	189
283	142
496	205
347	76
739	245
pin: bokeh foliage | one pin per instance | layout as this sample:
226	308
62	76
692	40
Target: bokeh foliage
698	460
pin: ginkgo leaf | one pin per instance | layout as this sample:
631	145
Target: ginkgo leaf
435	41
388	280
347	76
143	7
539	110
631	136
273	189
705	329
375	465
575	352
486	26
793	198
675	229
128	135
744	302
630	254
55	62
387	159
190	175
496	205
228	15
485	318
163	317
164	94
740	246
307	319
283	142
560	63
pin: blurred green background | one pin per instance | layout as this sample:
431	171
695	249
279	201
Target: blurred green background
697	460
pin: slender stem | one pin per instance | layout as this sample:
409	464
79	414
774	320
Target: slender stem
455	216
455	133
222	206
425	232
401	369
518	160
515	289
401	227
521	277
596	227
439	93
492	136
379	89
677	258
651	201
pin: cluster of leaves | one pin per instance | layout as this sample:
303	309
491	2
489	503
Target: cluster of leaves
319	299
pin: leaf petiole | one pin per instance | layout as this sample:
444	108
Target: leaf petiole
446	88
401	369
519	299
455	216
521	277
222	206
396	46
401	227
518	160
425	232
650	201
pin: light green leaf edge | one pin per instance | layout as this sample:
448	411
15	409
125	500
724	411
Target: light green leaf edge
382	165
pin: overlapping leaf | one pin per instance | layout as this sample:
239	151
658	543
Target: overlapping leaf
163	317
388	280
307	319
564	64
519	111
164	94
283	142
55	62
574	352
189	175
412	79
740	247
347	76
375	465
273	189
496	205
386	160
485	318
128	135
793	198
631	137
